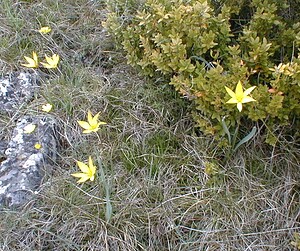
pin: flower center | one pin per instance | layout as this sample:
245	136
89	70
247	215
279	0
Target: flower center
239	97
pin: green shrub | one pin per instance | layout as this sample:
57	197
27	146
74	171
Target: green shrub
201	47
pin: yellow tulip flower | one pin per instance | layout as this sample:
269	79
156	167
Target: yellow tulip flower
92	125
88	171
52	62
45	30
32	62
240	97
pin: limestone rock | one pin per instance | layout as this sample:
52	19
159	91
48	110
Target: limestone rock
23	168
3	146
16	89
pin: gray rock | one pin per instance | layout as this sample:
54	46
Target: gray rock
16	89
3	146
24	166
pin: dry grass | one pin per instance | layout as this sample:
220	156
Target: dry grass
150	159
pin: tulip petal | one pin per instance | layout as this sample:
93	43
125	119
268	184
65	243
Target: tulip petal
239	90
84	125
29	60
94	120
90	162
248	99
232	101
78	175
101	123
239	106
249	90
93	170
230	92
88	131
83	167
89	117
34	56
83	179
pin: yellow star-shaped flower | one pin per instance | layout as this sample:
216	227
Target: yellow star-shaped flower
52	62
92	125
32	62
239	97
88	171
45	30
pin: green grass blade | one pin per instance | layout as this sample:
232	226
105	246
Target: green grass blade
226	129
108	210
246	138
